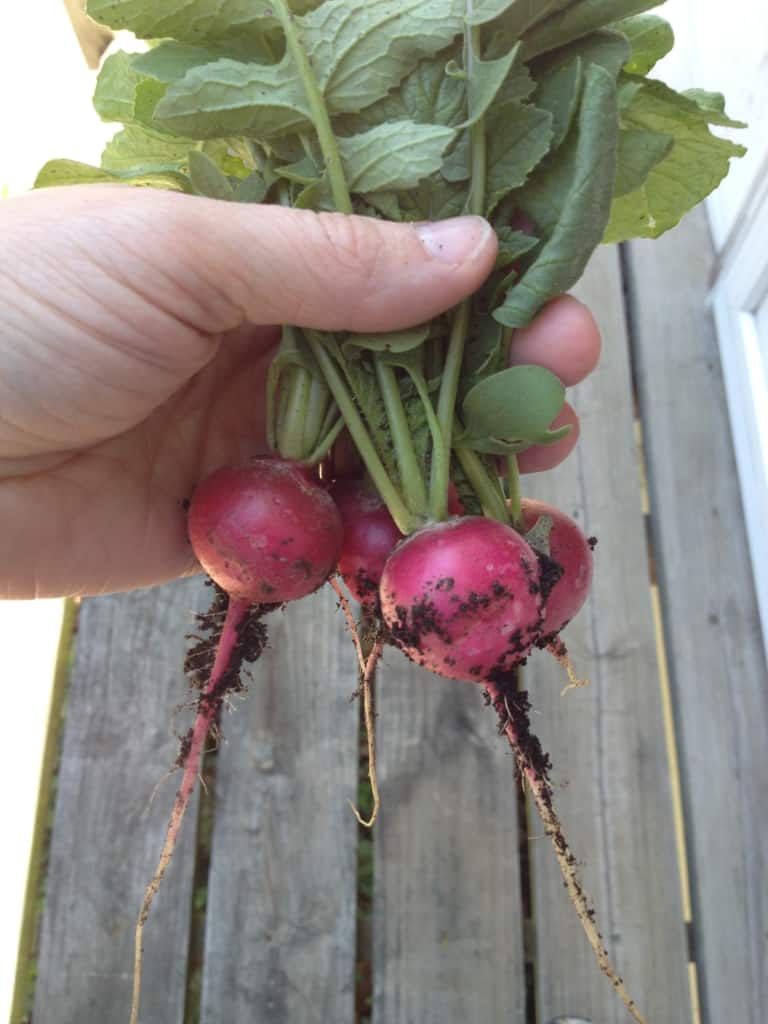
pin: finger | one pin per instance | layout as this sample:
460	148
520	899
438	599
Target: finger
564	338
219	263
543	457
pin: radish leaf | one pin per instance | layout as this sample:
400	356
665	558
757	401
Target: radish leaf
578	189
695	165
511	410
650	37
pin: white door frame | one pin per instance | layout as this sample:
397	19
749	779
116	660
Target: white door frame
739	290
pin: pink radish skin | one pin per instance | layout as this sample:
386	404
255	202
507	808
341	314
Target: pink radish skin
569	548
370	535
264	532
462	598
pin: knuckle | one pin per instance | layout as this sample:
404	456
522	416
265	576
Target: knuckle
352	246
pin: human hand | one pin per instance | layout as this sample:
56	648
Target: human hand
136	328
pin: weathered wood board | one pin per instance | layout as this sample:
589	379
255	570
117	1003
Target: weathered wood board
719	676
448	923
118	745
607	741
280	924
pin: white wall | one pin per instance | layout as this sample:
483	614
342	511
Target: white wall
723	47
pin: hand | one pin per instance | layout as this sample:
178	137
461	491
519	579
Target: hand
134	339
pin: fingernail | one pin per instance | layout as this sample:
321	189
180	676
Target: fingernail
456	240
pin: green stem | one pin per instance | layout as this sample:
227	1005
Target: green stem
438	444
446	407
491	499
406	522
449	385
318	109
290	428
315	412
411	477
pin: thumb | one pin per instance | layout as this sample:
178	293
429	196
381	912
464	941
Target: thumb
271	264
331	271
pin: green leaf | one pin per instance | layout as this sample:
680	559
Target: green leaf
559	92
638	153
485	82
578	20
712	105
520	15
252	189
577	189
395	341
71	172
484	348
135	146
519	135
694	167
170	61
393	156
115	95
512	245
229	97
360	49
428	95
650	37
608	49
191	21
207	179
512	409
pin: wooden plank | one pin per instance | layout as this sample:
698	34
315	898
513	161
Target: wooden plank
448	928
93	38
118	745
280	925
717	663
607	741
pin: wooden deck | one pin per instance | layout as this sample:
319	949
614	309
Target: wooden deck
275	908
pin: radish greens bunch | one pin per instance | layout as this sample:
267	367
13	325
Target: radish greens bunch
540	116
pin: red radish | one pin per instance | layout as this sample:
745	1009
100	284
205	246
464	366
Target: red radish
369	536
462	598
572	553
264	532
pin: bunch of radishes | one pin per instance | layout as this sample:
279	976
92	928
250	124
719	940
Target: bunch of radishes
467	598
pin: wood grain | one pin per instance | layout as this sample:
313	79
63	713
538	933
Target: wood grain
607	741
716	657
448	928
280	926
118	745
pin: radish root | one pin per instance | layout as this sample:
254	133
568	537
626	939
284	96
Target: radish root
367	662
241	637
559	652
512	708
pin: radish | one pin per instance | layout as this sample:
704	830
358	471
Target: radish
370	535
462	598
264	532
565	590
266	535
